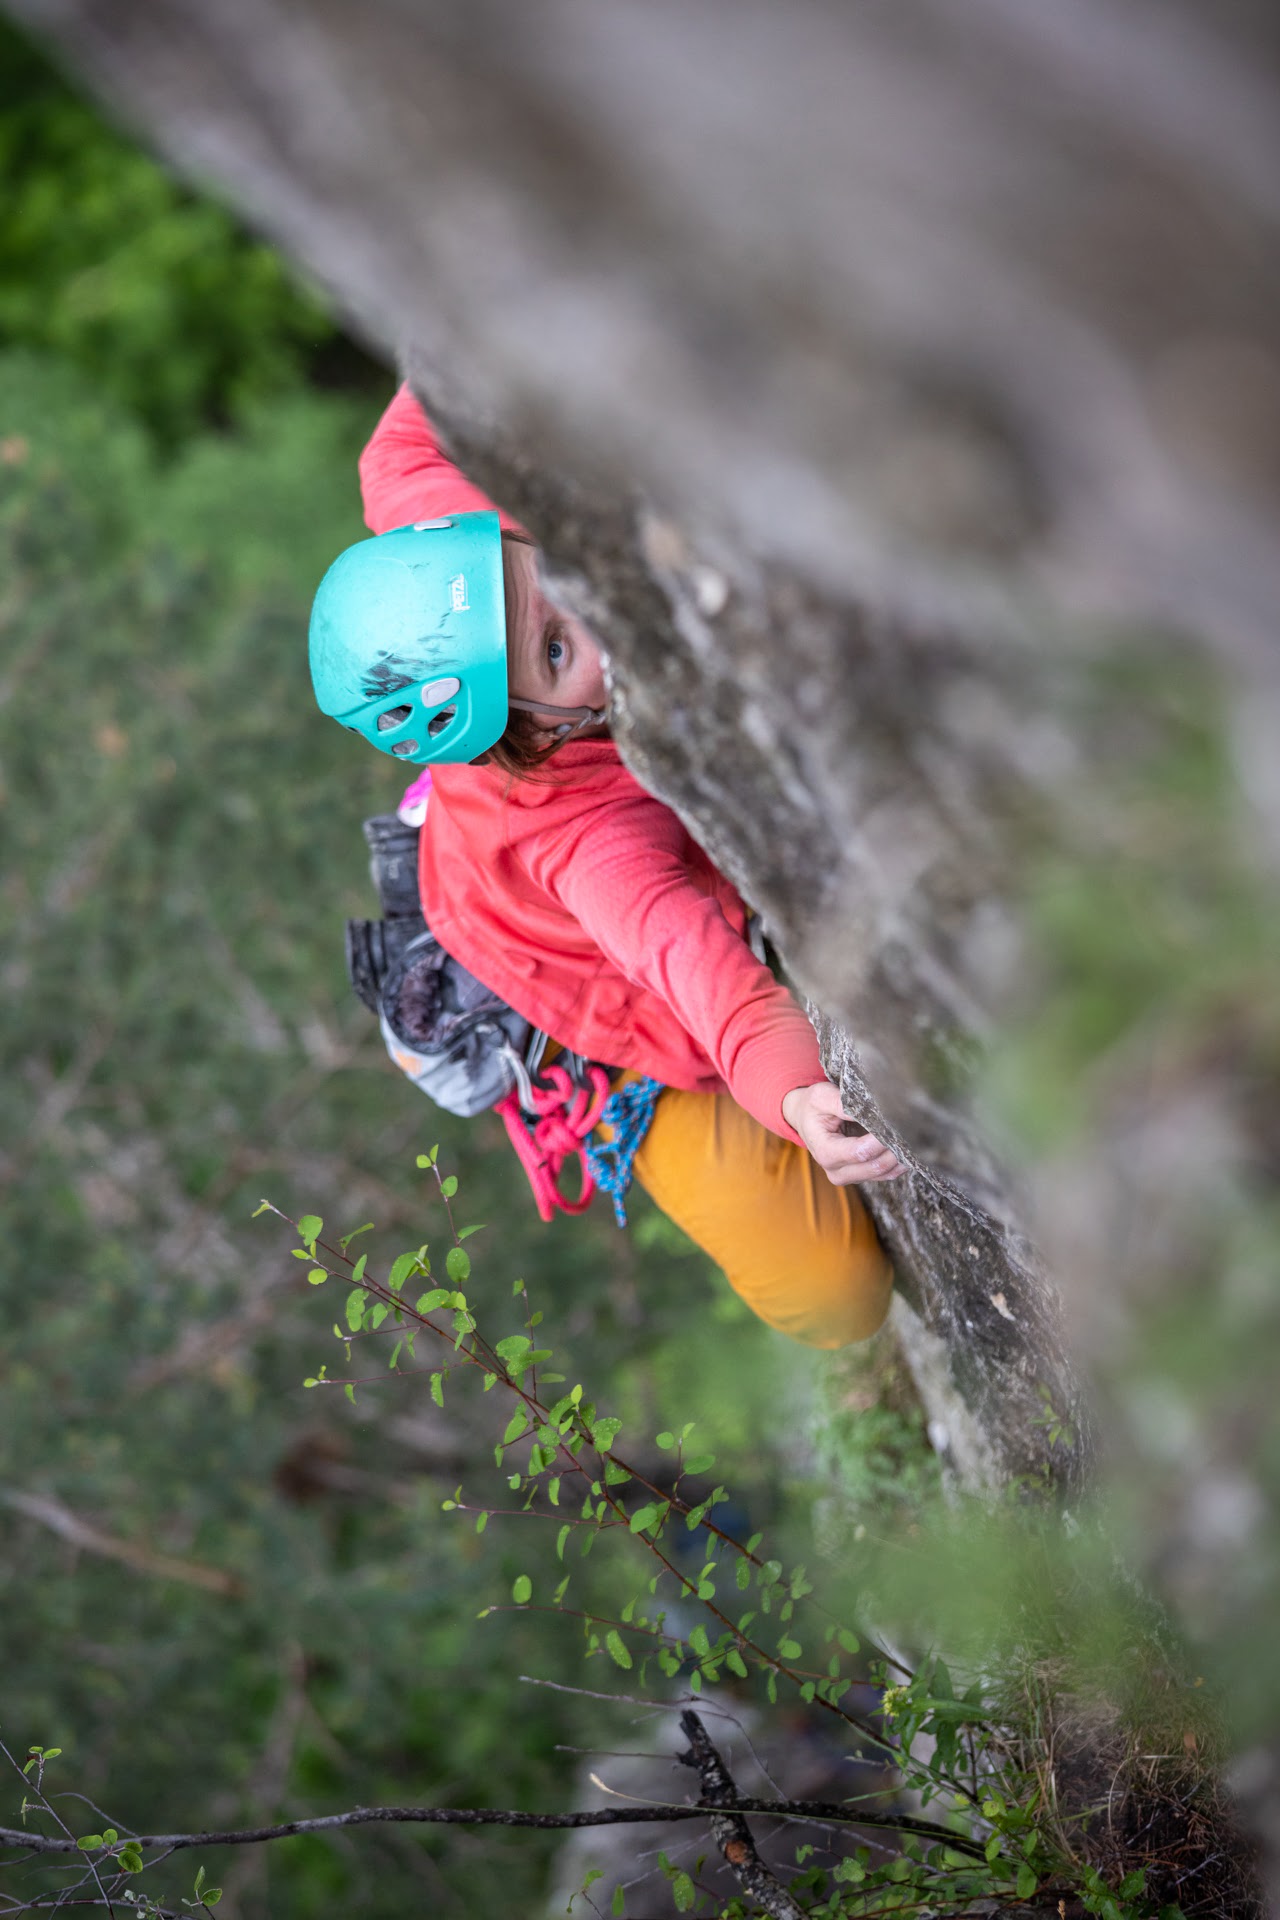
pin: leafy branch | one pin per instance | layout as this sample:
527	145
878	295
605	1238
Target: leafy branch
995	1839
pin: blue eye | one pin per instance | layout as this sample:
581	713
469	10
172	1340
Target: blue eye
555	652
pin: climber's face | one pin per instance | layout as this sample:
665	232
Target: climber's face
551	656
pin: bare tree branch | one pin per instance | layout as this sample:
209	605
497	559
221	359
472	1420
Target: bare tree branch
650	1814
69	1526
733	1835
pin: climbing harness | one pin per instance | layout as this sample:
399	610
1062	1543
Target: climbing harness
629	1111
467	1050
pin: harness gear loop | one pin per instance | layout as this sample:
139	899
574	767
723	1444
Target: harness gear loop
629	1111
564	1114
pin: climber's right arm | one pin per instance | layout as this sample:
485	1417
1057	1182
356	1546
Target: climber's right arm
404	475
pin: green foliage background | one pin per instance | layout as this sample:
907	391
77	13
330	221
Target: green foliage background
182	845
155	292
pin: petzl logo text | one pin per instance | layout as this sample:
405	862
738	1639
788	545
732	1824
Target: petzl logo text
458	593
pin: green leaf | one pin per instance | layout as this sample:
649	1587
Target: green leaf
88	1841
428	1302
354	1234
437	1388
789	1649
449	1185
735	1663
350	1392
957	1711
561	1537
605	1432
618	1648
263	1206
465	1233
618	1905
522	1589
1027	1881
310	1225
701	1463
458	1264
317	1276
355	1309
666	1441
402	1267
848	1641
682	1892
516	1425
211	1896
644	1517
513	1347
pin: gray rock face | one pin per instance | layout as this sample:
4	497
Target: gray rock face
813	748
851	362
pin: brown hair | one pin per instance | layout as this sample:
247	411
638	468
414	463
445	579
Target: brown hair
524	749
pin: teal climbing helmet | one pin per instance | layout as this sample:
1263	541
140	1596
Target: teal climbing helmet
409	639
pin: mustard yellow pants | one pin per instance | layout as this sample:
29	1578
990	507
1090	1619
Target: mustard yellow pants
801	1253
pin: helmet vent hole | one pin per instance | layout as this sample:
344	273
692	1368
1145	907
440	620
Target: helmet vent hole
405	747
440	721
395	717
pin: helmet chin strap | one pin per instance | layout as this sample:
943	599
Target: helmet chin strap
573	719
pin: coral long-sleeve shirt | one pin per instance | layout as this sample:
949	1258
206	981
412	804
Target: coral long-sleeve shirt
580	898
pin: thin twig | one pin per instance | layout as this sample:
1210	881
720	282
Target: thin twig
68	1845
